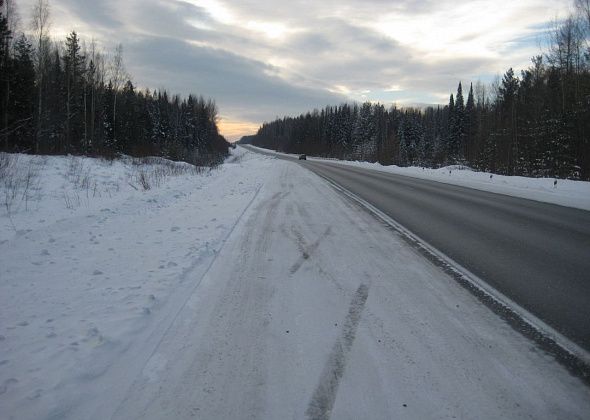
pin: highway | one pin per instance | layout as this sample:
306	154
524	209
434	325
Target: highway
534	253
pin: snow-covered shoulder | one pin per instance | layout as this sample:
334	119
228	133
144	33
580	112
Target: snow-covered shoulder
94	254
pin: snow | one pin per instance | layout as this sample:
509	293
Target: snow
251	291
566	192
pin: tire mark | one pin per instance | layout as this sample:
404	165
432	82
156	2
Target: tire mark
266	210
322	401
306	251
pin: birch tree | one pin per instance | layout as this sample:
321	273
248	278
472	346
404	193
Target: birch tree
117	78
40	24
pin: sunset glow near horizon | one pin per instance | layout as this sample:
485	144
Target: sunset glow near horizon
265	59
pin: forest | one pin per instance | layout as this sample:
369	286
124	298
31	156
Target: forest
72	98
533	124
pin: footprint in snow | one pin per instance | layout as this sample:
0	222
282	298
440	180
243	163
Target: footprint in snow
174	229
45	252
6	384
35	395
97	273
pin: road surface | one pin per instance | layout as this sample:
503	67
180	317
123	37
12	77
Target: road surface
536	254
314	310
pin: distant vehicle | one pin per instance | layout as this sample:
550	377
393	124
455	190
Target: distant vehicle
233	145
302	157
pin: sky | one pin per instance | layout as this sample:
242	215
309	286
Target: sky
262	59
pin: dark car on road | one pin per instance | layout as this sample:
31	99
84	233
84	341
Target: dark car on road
302	157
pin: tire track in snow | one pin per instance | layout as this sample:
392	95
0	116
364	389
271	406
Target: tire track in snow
305	250
162	333
322	401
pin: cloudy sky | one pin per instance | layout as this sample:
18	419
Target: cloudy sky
262	58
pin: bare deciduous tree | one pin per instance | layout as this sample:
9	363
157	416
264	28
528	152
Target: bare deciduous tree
40	25
583	7
118	76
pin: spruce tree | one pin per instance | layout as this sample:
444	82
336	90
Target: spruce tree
73	68
459	127
451	139
470	126
22	97
4	73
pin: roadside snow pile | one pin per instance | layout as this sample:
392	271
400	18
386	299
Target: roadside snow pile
93	254
55	187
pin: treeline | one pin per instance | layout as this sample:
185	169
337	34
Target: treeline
537	124
69	98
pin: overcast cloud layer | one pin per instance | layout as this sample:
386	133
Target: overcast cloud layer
262	59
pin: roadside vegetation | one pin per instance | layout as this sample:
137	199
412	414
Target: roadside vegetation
69	97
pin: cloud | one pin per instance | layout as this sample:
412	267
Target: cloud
243	87
262	58
93	13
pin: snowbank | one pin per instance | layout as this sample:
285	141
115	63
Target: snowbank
564	193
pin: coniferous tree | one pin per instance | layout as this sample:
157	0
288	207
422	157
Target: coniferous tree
459	121
5	36
470	127
54	109
451	140
73	73
21	104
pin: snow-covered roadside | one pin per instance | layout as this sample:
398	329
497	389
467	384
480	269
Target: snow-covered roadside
256	291
91	263
566	193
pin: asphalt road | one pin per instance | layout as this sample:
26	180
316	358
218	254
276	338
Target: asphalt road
536	254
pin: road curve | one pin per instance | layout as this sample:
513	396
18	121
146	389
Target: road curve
536	254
